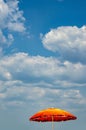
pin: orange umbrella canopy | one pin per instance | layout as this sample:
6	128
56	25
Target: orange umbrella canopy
52	114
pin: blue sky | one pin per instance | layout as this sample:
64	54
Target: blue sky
42	61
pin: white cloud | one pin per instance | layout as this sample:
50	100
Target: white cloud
4	10
36	68
16	27
40	80
68	41
2	38
11	20
16	19
5	40
11	16
19	94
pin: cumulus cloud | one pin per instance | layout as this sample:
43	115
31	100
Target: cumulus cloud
5	40
2	38
11	16
42	79
68	41
35	68
17	94
11	20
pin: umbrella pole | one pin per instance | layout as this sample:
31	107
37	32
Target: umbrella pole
52	123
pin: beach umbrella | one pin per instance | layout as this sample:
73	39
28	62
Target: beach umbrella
52	115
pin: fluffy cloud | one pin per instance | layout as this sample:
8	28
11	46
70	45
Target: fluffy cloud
4	10
36	68
68	41
11	17
5	40
11	20
25	79
17	94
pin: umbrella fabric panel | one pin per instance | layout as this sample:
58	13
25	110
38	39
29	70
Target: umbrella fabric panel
52	114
